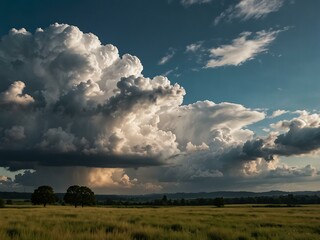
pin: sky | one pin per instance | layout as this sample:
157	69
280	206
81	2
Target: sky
140	96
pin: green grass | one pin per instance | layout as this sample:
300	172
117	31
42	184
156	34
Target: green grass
240	222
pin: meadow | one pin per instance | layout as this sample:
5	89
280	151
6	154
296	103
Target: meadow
237	222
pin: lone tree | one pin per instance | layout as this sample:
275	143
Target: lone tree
77	195
43	195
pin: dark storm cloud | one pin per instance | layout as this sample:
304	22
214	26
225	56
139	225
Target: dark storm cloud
17	160
296	141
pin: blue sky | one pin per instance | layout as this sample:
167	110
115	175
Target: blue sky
257	54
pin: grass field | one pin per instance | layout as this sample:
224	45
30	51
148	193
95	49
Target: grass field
240	222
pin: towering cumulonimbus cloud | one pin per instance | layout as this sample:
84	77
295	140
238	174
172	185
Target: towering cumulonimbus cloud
69	97
69	102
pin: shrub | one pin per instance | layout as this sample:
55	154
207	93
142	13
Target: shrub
219	202
139	236
110	229
218	234
176	227
13	232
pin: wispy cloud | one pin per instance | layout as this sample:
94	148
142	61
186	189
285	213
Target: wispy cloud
168	72
198	52
278	113
193	47
191	2
242	49
167	56
247	9
171	71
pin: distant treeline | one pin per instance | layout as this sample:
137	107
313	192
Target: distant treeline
289	199
160	200
219	202
181	195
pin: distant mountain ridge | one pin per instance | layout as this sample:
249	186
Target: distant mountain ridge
180	195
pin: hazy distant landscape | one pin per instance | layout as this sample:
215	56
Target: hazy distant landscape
229	196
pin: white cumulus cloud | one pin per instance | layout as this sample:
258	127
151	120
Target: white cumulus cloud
14	94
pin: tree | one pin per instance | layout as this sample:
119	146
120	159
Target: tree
77	195
43	195
71	197
219	202
164	200
86	196
1	203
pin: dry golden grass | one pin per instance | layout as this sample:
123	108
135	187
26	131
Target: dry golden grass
240	222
